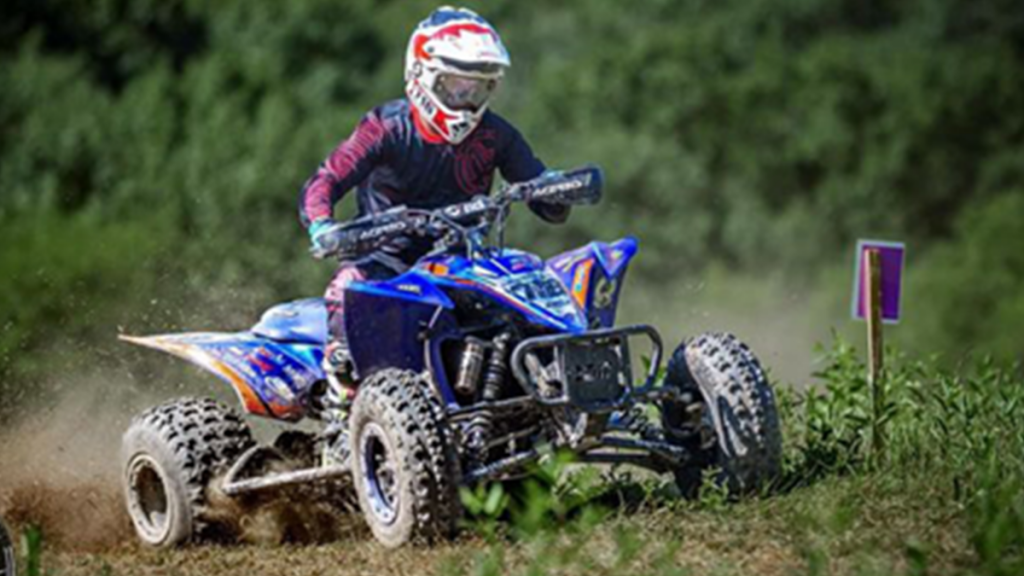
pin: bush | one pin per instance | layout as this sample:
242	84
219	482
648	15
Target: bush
961	431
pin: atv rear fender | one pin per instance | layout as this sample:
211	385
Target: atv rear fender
271	379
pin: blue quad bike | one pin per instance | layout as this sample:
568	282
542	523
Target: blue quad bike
471	366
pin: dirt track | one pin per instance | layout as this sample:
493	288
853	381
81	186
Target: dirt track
65	480
60	471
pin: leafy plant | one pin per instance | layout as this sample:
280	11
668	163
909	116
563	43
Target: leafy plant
32	540
961	429
484	504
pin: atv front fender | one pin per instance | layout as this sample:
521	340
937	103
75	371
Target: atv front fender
593	275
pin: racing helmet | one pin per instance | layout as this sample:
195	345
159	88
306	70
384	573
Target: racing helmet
454	63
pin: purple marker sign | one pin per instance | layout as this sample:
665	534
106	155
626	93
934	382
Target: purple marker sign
891	258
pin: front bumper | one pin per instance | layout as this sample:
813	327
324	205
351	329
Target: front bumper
591	371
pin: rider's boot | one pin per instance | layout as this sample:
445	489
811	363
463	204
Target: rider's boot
341	391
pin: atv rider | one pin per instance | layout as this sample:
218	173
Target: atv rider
438	146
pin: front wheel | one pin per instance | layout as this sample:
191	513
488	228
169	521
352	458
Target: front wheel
731	399
403	462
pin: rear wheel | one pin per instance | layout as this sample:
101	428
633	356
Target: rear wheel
731	422
171	453
404	465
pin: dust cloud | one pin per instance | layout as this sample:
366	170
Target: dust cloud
59	466
60	470
782	324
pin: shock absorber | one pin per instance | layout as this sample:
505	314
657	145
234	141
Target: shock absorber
497	368
479	430
470	367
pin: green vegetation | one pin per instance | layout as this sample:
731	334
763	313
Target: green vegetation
152	151
32	542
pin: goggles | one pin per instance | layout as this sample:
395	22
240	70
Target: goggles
459	92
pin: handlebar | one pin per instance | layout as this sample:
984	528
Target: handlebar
370	233
578	186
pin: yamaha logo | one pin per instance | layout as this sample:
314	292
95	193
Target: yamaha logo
479	204
6	552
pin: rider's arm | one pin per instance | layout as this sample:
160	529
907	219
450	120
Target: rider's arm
348	165
517	163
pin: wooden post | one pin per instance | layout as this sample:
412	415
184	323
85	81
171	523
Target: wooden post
873	314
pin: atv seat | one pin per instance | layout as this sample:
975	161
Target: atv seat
303	321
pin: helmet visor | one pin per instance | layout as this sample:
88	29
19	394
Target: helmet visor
459	92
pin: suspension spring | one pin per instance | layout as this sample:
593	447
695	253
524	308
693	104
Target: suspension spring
497	367
478	432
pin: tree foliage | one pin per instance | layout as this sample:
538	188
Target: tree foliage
144	140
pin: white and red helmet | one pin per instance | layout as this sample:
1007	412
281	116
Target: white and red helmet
453	65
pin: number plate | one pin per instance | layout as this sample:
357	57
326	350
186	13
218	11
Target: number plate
597	372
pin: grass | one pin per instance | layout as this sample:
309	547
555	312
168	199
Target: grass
945	497
848	525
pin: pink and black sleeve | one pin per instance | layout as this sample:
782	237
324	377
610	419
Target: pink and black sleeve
346	167
518	163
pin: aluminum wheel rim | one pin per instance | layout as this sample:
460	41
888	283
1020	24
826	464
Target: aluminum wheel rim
148	503
380	477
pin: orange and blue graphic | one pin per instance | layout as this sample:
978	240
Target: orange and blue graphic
271	378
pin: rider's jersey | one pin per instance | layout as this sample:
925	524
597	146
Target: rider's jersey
393	164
